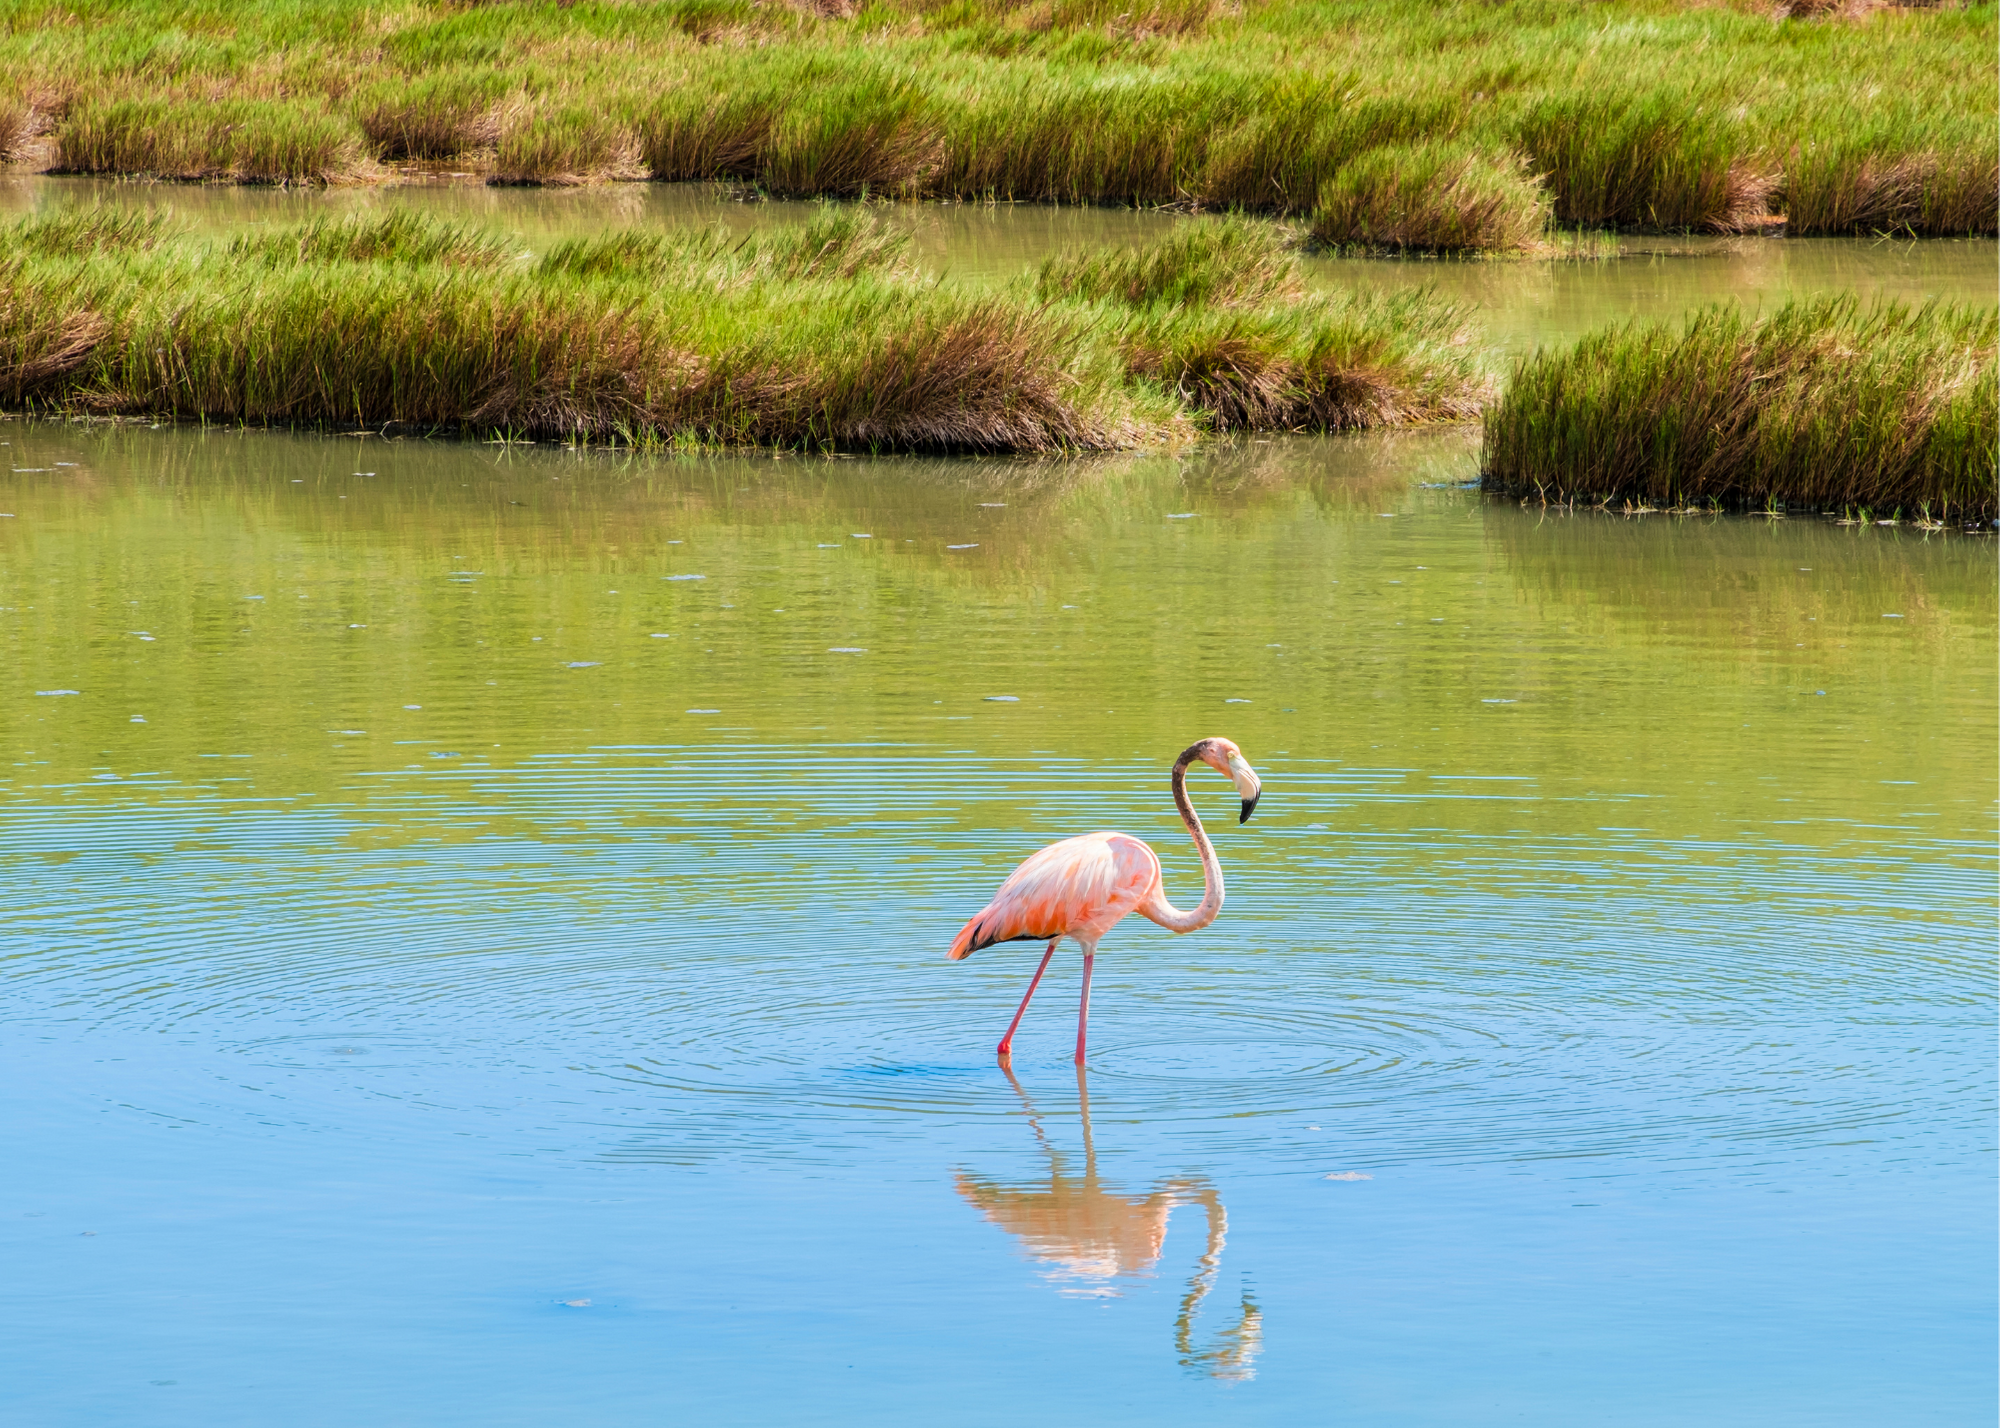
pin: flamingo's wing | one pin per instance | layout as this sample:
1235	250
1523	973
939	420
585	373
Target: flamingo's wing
1079	884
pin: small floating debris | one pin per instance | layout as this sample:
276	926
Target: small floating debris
583	664
1348	1175
576	1303
138	718
993	505
860	535
683	577
357	627
1892	617
1498	701
1003	699
1182	515
704	711
973	546
54	693
846	649
829	545
413	706
1235	701
659	636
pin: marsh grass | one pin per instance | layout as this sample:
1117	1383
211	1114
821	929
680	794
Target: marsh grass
837	242
400	236
1400	126
16	127
819	335
1435	196
245	140
1823	404
101	228
1217	315
1232	262
562	148
1321	364
1660	160
440	116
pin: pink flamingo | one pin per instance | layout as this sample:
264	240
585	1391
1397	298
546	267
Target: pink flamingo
1081	887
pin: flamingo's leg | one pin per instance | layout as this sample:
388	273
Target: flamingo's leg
1083	1007
1007	1041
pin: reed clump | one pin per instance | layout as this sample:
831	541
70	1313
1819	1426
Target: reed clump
1433	197
101	228
562	148
440	116
837	242
1232	262
244	140
1218	315
399	236
1824	404
818	334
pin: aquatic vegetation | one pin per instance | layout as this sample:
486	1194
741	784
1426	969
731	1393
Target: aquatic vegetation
399	236
819	334
1227	262
1383	124
1217	314
250	141
1823	404
99	228
1433	196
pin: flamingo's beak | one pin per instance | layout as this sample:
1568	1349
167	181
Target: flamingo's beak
1248	786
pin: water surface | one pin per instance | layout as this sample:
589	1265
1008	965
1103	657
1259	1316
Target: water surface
474	944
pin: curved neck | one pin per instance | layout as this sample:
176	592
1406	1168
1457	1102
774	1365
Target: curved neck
1164	913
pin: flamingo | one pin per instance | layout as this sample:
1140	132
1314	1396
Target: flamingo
1081	887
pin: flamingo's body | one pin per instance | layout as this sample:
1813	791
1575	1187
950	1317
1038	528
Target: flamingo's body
1082	887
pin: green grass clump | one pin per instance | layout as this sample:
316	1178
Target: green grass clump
1663	159
399	236
98	229
560	148
1234	262
371	321
1435	196
49	329
1824	404
818	334
1325	363
246	140
16	124
835	243
439	116
1217	315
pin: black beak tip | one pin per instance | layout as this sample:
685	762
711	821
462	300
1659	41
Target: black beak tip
1249	807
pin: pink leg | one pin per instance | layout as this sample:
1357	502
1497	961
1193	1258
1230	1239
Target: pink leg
1083	1007
1007	1041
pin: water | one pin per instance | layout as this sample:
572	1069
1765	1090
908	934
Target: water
474	939
474	944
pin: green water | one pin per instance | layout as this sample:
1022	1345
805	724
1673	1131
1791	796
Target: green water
475	925
473	944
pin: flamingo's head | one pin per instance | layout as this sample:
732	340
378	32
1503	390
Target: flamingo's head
1226	759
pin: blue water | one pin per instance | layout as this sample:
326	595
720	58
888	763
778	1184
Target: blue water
430	1014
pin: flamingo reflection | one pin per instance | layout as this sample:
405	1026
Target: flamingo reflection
1090	1236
